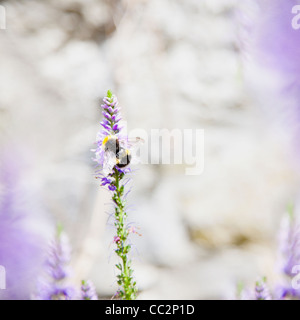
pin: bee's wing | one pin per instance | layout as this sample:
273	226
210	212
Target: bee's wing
109	162
131	143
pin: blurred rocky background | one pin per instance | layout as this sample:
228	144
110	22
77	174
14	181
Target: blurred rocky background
172	64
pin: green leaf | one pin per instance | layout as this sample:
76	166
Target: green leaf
109	94
119	266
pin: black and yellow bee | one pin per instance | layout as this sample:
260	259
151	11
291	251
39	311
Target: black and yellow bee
117	152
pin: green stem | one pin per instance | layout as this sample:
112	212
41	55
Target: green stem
125	280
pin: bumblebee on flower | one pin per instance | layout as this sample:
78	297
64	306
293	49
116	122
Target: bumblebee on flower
113	155
114	149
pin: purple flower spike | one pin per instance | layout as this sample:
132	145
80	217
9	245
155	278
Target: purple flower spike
111	126
276	48
276	41
52	286
262	291
59	257
111	149
21	249
289	254
88	291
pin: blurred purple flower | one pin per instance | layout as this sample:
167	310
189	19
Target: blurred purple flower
117	239
55	291
262	291
59	257
277	44
275	49
88	291
21	249
52	286
290	244
289	254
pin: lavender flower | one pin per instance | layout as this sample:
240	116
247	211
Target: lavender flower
262	292
112	176
21	249
111	134
277	44
290	243
276	48
52	286
88	291
289	254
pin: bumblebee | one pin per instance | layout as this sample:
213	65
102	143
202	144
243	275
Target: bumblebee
111	144
123	158
117	152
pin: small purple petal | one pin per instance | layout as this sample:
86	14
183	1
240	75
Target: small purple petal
106	126
112	188
115	127
106	115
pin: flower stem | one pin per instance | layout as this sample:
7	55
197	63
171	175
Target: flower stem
112	177
125	280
